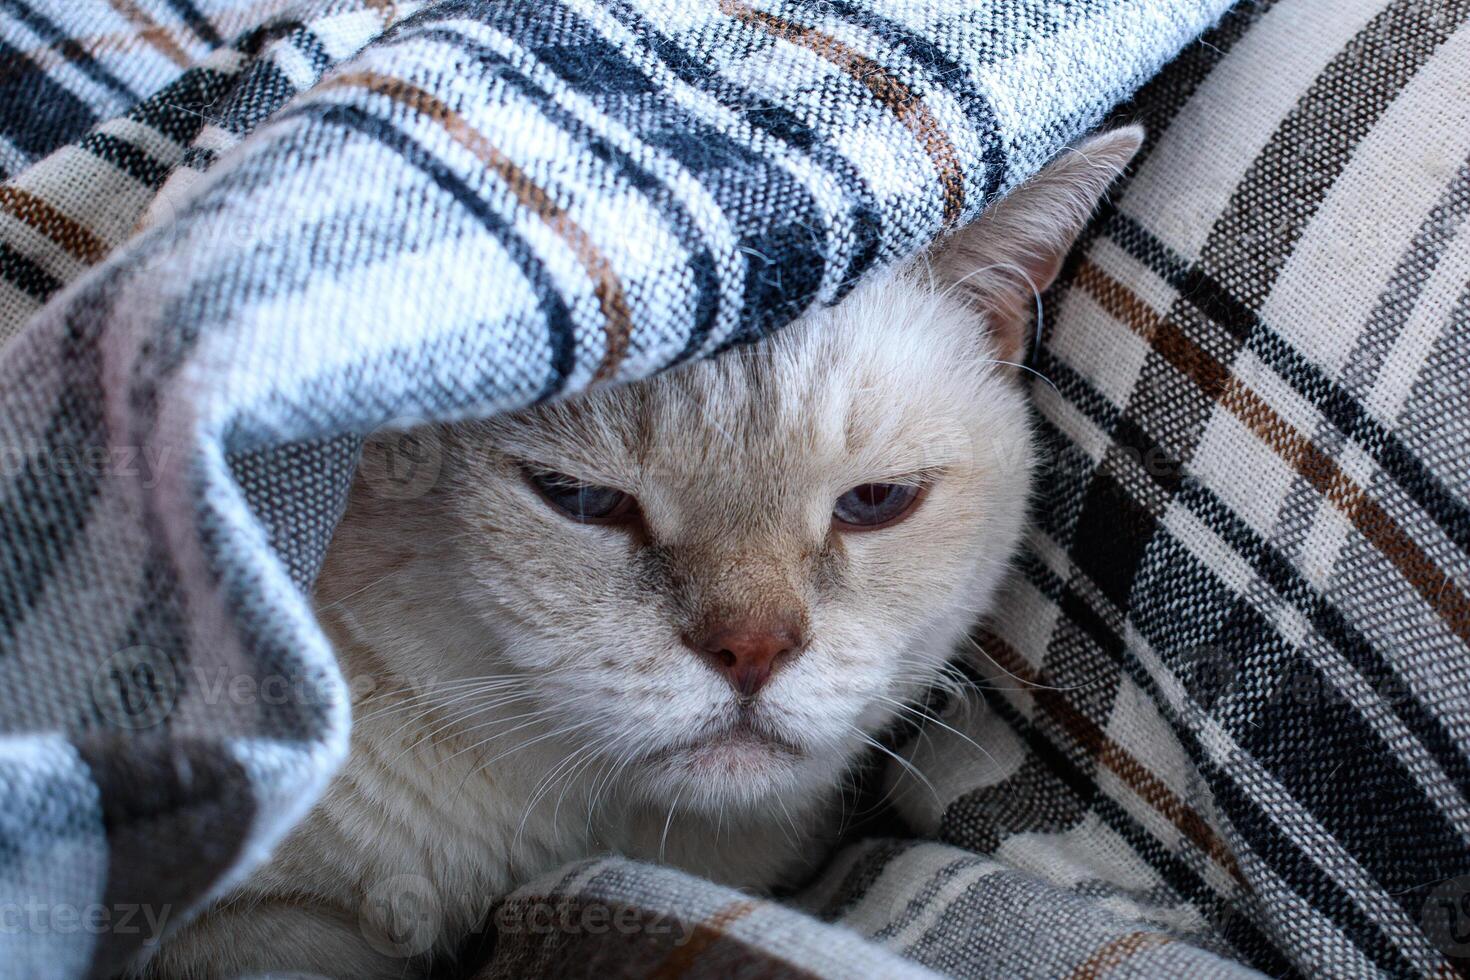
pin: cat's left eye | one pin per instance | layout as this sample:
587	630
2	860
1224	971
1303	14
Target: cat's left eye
873	505
583	502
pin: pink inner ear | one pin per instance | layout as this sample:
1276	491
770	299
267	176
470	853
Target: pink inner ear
1011	324
1015	249
1011	304
1000	271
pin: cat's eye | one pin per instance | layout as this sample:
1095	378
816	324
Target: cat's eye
583	502
873	505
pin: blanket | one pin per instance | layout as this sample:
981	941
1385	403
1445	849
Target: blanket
1224	720
235	237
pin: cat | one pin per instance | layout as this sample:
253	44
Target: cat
663	619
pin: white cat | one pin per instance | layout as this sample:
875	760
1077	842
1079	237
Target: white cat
664	619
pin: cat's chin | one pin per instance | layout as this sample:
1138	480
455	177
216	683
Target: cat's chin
736	765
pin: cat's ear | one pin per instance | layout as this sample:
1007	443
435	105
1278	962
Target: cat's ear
1003	260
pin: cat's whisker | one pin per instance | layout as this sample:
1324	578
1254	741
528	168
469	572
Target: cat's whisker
570	780
970	693
929	718
482	743
427	700
906	764
533	715
383	705
544	786
663	840
477	769
618	762
356	592
422	713
435	688
1028	369
565	772
855	785
790	821
560	732
918	682
594	791
463	729
456	719
626	760
1027	684
850	811
556	733
710	421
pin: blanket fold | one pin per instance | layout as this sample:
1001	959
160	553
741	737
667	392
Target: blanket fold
237	236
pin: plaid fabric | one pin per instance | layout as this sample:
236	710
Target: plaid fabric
902	909
1226	711
238	236
1228	695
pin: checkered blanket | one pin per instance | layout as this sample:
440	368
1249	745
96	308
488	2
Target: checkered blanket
1226	706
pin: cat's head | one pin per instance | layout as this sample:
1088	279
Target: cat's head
729	577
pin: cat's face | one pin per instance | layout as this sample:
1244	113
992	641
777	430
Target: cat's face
783	542
727	579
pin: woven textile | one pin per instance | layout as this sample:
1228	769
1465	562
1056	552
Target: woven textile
237	236
1226	713
1229	690
1226	721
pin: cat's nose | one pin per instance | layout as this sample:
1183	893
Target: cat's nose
746	653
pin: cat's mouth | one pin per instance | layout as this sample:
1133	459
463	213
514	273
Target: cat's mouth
742	744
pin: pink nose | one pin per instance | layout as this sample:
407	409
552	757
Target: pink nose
747	652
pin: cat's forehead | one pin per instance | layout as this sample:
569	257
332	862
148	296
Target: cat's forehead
872	383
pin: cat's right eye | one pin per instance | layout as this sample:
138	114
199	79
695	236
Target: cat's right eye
585	503
875	505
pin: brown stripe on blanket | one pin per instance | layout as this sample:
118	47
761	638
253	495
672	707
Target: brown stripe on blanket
385	9
175	811
706	934
1438	589
78	240
653	944
905	104
152	32
79	48
1092	738
1261	224
1111	955
605	283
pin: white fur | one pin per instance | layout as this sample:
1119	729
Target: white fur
531	700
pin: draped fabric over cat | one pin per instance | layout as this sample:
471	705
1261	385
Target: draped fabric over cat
236	236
